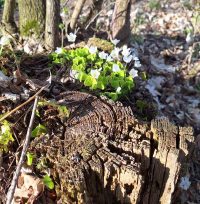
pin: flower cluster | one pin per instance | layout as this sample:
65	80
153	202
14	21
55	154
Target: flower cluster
101	71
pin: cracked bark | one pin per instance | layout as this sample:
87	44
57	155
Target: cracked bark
108	156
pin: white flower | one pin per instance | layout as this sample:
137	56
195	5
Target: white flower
115	68
126	51
109	13
73	74
109	58
63	14
103	55
127	59
135	58
4	40
185	183
95	73
133	73
59	50
115	41
118	90
92	49
115	53
137	63
71	37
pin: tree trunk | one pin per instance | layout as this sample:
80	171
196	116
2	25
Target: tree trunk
77	10
103	154
52	23
31	17
120	26
8	17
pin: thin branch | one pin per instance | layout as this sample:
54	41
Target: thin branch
11	190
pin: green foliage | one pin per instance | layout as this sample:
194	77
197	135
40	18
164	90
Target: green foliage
48	182
31	27
30	157
1	3
141	105
154	5
5	135
96	73
40	129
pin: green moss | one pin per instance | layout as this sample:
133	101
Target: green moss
101	44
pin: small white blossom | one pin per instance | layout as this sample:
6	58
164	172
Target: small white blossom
103	55
63	14
115	41
118	90
4	40
71	37
126	51
115	53
135	58
185	183
133	73
127	59
137	63
109	58
95	73
59	50
4	128
92	49
73	74
109	13
115	68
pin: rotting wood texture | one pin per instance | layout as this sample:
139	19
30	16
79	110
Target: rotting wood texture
103	154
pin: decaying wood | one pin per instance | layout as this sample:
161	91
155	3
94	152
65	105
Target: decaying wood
103	154
120	26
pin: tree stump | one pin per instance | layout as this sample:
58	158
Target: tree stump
103	154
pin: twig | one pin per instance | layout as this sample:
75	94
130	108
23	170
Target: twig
23	104
11	190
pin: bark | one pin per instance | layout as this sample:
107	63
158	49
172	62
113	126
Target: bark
52	23
77	10
31	17
8	17
103	154
120	26
95	8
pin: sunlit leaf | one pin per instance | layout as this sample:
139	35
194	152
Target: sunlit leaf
40	129
48	182
30	157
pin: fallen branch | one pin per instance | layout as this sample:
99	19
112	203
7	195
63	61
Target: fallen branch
11	190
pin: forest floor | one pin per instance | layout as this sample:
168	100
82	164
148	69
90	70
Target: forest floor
166	36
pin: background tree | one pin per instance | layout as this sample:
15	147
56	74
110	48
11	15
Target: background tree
120	25
31	17
8	17
52	23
